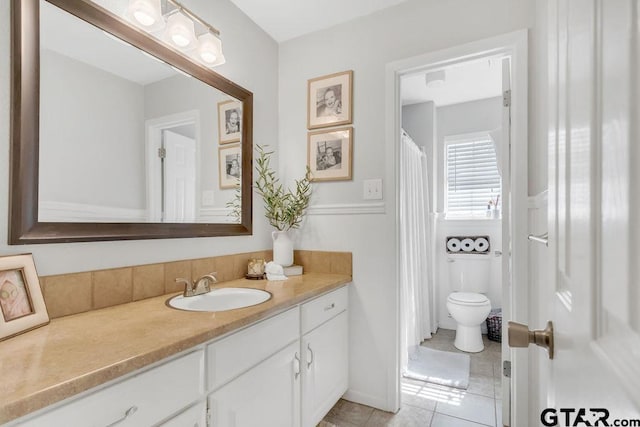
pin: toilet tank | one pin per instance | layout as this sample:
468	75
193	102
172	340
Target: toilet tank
469	272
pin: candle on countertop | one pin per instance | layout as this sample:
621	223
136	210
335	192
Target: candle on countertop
255	267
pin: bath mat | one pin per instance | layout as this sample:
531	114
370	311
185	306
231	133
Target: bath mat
439	367
325	424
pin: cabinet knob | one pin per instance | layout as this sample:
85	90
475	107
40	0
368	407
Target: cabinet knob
330	306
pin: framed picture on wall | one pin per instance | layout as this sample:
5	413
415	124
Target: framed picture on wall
330	153
230	169
22	306
330	100
229	121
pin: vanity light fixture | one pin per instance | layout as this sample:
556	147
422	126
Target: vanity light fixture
177	26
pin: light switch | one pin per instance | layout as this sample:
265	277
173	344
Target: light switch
373	189
207	198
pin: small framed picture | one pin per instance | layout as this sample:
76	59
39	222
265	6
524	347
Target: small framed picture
330	100
230	166
229	121
330	153
22	306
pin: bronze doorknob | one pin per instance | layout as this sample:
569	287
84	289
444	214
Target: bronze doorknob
521	336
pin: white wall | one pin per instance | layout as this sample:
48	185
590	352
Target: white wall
252	62
366	45
419	121
87	113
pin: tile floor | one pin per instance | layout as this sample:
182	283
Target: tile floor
430	405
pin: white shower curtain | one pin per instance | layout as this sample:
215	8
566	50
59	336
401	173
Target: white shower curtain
416	270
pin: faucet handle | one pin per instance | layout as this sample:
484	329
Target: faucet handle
210	276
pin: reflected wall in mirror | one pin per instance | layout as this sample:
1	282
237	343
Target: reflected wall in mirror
128	132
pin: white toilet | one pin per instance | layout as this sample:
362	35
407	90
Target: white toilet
469	279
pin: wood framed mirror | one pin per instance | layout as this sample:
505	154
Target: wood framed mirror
57	195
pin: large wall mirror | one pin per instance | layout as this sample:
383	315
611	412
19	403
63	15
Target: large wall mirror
117	136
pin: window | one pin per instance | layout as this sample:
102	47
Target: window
472	177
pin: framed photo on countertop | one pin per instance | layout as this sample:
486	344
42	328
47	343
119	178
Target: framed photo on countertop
22	306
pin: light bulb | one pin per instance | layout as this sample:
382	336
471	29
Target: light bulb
144	18
146	14
210	50
180	32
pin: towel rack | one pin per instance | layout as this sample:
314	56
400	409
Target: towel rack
543	238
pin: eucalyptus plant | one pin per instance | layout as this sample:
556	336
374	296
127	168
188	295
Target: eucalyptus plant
283	208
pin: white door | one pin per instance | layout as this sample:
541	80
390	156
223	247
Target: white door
325	373
266	395
594	205
179	178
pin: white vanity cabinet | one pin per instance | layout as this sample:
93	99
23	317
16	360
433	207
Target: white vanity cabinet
325	350
144	399
286	371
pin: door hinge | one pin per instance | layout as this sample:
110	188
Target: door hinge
162	153
208	420
506	98
506	368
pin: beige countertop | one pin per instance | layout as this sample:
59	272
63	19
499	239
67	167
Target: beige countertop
75	353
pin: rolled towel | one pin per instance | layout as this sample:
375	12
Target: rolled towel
274	271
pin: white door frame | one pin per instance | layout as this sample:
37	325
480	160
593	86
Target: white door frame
153	141
514	45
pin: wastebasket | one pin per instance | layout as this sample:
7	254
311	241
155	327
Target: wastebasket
494	325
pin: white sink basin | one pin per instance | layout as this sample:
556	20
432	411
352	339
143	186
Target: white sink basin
220	299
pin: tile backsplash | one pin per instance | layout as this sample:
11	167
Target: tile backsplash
73	293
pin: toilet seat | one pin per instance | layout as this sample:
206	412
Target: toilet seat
468	298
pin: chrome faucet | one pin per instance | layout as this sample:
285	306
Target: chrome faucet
199	286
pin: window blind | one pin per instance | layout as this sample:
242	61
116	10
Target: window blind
472	177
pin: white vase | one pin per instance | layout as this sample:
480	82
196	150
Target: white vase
282	248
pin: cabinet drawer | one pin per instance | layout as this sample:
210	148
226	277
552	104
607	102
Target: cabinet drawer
321	309
143	399
195	416
235	354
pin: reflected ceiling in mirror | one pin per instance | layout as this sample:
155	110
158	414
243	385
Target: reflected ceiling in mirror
128	141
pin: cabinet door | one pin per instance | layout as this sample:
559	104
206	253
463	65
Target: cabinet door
325	373
266	395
